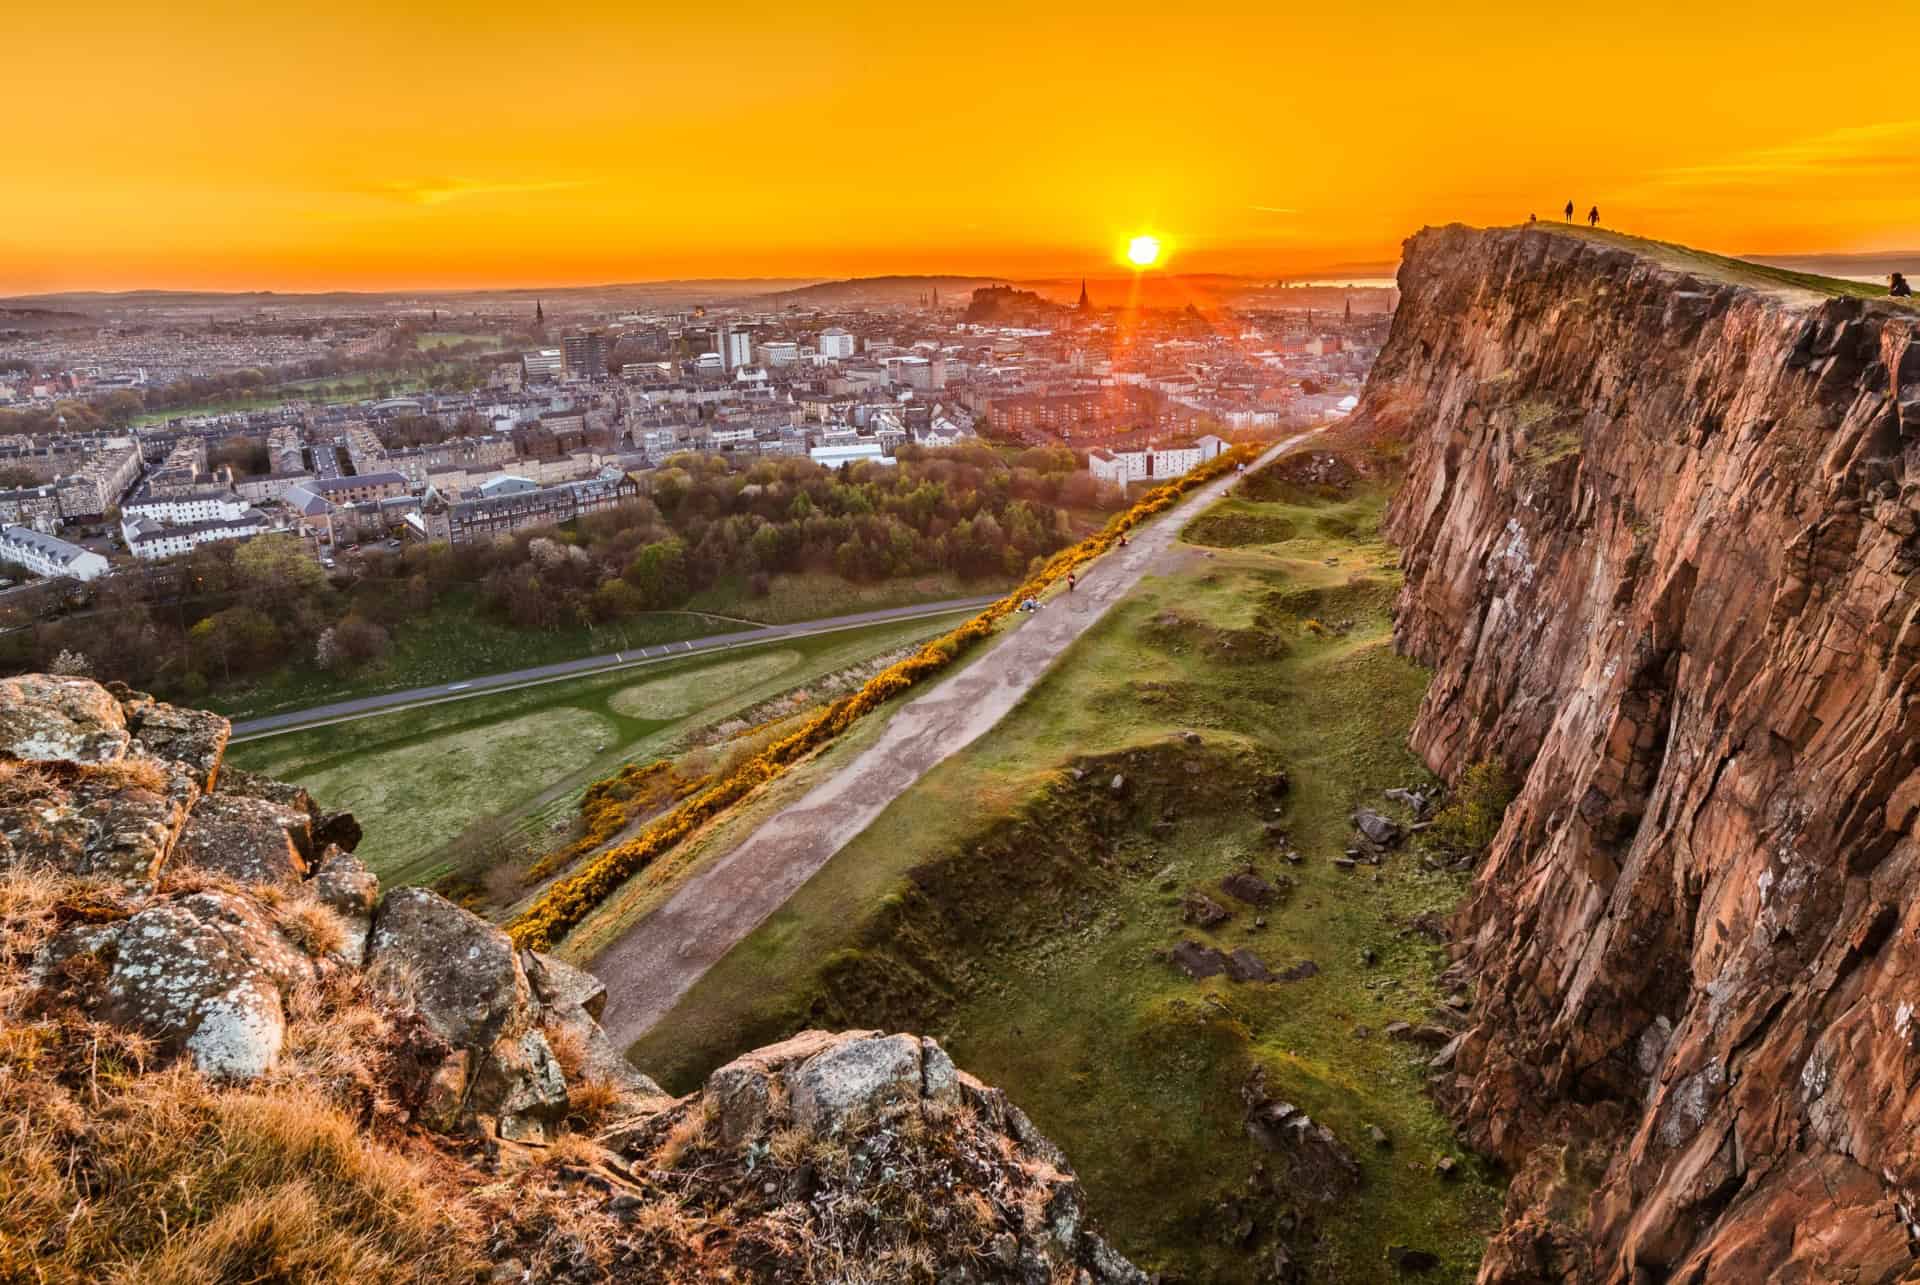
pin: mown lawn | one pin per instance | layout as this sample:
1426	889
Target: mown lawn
1018	908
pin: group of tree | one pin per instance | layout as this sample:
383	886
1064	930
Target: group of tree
225	613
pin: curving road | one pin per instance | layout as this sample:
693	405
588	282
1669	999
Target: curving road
659	959
490	684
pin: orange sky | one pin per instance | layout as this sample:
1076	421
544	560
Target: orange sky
350	144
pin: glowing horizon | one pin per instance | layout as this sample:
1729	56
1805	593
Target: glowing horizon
350	146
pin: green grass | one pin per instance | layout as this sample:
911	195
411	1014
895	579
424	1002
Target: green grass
1724	268
454	640
419	779
811	595
449	339
1015	911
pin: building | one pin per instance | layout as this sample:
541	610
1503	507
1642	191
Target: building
49	555
586	355
258	490
835	454
483	518
359	487
202	504
544	364
108	474
151	541
778	352
34	506
1154	463
836	344
736	346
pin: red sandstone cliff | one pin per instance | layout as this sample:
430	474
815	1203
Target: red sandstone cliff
1661	532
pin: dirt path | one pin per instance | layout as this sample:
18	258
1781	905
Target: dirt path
660	958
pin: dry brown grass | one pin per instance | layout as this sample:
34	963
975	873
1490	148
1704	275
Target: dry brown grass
23	782
593	1102
311	926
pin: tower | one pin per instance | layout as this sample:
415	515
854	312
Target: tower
539	314
1349	318
1085	304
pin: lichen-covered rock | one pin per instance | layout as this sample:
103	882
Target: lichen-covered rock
107	820
250	839
1661	531
194	737
462	972
862	1071
205	974
44	718
345	886
520	1084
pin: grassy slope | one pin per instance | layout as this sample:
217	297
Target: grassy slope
417	779
455	640
1000	906
1720	267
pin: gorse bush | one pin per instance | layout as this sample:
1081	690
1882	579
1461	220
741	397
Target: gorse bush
563	906
1471	817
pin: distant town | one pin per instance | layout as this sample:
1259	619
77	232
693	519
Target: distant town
140	431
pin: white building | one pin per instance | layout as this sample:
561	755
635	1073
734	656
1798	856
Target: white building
835	344
49	555
1155	464
838	453
543	363
778	352
203	504
150	541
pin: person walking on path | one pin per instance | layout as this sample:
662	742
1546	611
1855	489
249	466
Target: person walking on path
1898	287
1593	217
1569	211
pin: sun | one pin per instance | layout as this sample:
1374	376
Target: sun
1143	251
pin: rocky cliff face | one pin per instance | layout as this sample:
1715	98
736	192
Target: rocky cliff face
225	1055
1661	529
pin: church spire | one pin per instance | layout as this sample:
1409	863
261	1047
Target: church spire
1086	304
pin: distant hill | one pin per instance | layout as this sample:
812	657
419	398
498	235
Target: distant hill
876	291
691	290
1876	266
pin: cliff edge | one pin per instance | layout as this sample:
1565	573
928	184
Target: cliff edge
225	1056
1660	528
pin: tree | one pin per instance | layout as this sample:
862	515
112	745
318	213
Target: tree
659	573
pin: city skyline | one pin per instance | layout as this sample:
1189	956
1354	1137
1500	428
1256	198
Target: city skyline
349	147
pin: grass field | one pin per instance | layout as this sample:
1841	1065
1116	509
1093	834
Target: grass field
420	779
455	640
1015	906
450	339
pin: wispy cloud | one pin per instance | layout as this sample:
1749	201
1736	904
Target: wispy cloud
439	191
1888	153
1274	209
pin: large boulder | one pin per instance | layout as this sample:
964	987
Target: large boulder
862	1071
252	840
44	718
117	820
462	972
206	974
194	737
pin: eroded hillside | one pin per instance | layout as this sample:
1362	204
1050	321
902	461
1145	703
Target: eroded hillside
1660	536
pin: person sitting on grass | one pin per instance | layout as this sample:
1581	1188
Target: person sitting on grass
1897	287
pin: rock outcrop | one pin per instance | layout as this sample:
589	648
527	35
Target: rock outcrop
1660	525
185	914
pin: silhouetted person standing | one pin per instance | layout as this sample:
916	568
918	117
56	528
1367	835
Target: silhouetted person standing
1899	288
1569	211
1533	218
1593	217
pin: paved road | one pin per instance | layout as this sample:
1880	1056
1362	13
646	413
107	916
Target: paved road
659	959
489	684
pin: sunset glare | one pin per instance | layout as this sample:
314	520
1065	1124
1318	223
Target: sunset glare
1143	251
